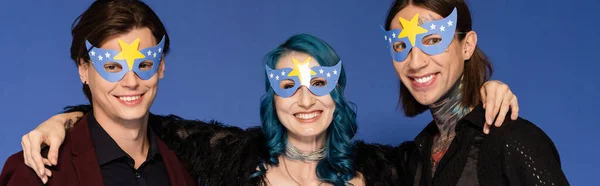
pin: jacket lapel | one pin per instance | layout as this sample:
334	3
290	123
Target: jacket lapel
177	173
84	160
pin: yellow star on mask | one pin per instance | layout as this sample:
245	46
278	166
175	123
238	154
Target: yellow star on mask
129	52
302	71
411	28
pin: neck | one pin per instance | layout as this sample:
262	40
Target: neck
448	110
298	167
307	144
130	135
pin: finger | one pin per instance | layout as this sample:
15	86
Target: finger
46	162
486	128
27	154
489	105
503	109
483	95
514	105
48	172
44	179
497	103
54	142
35	151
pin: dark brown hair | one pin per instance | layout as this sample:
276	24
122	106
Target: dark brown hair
107	18
477	70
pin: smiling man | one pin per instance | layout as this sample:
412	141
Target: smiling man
119	49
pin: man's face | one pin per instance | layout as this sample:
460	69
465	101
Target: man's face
130	97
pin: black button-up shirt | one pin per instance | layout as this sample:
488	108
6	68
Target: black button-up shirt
517	153
117	167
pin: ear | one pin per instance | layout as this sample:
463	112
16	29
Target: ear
469	44
161	67
83	68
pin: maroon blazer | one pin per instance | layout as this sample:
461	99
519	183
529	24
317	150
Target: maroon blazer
78	164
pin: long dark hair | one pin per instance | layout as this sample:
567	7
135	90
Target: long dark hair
477	70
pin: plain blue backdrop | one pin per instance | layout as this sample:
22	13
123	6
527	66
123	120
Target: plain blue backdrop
544	50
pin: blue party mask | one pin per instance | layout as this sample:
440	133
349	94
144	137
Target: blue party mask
287	81
401	41
129	58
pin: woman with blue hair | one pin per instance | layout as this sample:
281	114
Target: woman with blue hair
306	136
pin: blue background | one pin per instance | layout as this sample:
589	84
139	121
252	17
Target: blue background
544	49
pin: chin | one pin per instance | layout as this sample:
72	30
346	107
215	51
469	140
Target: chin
132	113
304	131
425	98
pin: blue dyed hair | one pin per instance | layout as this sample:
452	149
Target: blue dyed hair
338	165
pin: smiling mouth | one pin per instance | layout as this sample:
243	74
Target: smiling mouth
423	79
423	83
130	100
308	116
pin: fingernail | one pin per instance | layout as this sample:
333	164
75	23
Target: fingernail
48	173
487	131
44	180
489	121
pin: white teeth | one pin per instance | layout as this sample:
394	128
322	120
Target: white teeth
307	116
424	79
129	98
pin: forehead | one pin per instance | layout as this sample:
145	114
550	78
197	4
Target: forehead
286	60
144	34
425	15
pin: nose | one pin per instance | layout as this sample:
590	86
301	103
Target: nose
307	98
130	80
417	59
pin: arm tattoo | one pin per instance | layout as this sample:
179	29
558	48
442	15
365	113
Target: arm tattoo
69	124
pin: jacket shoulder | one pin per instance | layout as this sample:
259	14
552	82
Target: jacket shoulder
15	172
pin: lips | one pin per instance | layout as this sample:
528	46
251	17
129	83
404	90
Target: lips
424	82
307	117
130	100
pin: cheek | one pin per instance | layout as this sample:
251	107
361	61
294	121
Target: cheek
150	83
327	102
400	70
399	67
99	84
282	105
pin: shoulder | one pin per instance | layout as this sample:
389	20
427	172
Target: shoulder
520	131
14	160
380	164
524	153
15	172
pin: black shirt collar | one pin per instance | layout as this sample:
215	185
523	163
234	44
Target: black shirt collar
475	119
107	149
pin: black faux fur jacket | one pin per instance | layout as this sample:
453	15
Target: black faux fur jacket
218	155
